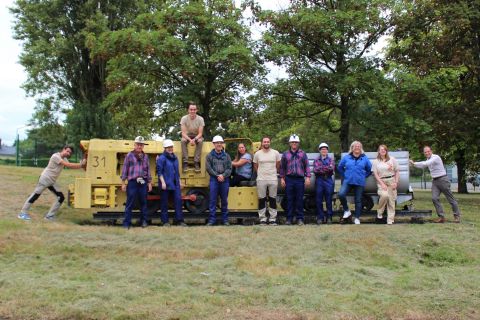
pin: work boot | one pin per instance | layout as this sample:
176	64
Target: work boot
439	220
197	167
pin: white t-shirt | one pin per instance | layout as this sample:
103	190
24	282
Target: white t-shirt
267	164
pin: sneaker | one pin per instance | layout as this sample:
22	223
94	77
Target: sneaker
357	221
210	224
288	223
24	216
49	218
166	224
439	220
185	167
456	218
347	214
320	221
329	220
272	223
197	167
144	224
300	223
182	224
226	223
263	223
390	223
379	216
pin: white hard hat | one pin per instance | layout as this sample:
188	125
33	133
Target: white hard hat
322	145
167	143
217	139
140	140
294	138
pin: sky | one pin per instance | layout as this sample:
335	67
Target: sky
15	108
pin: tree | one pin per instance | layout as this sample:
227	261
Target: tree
180	51
61	74
438	42
325	47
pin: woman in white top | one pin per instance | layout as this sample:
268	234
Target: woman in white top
386	172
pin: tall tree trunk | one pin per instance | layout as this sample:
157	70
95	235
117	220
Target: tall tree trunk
344	124
462	177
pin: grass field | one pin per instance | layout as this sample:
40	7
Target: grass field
72	270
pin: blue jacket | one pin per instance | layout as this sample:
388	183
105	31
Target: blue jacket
355	170
167	166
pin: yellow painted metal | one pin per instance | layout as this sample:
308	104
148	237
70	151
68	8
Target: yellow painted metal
242	198
111	197
105	158
83	193
100	196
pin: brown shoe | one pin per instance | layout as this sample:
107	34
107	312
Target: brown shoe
439	220
197	167
456	218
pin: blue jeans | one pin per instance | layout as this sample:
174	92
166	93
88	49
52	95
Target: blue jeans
358	193
177	201
324	190
135	191
218	189
294	191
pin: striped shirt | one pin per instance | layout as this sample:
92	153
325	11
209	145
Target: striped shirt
134	168
294	164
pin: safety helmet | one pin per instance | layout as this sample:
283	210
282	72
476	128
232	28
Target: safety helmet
140	140
167	143
322	145
217	139
294	138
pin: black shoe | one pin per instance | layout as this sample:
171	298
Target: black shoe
182	224
288	223
144	224
300	222
272	223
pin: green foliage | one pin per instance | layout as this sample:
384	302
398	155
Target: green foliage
61	74
324	48
437	72
176	52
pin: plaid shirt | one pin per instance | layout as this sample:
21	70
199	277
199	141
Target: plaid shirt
324	167
134	168
294	164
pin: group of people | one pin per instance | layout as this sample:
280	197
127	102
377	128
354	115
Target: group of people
294	171
292	166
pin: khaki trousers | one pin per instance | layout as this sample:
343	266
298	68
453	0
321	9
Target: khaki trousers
387	199
198	150
262	186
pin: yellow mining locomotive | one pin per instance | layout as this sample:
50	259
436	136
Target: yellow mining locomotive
100	188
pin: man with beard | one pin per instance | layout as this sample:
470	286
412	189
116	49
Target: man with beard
266	162
136	172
